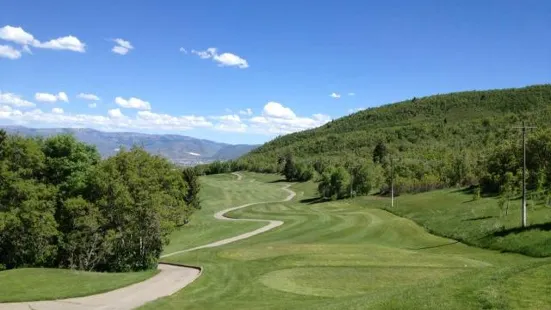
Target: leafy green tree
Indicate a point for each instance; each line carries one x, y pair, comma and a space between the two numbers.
193, 188
380, 152
289, 168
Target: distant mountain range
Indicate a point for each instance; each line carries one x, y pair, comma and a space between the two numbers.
182, 150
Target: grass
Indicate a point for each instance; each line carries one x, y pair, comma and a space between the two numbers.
220, 192
29, 284
452, 213
349, 255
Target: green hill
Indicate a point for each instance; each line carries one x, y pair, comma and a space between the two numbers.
425, 135
446, 123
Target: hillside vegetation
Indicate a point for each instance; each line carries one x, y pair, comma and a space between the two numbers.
465, 138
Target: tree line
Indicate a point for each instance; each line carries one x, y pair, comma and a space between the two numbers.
61, 205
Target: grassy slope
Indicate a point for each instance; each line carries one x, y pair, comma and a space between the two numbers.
27, 284
352, 255
454, 214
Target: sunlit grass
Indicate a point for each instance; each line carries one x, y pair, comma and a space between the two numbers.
349, 255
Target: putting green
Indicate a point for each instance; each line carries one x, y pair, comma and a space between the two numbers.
327, 281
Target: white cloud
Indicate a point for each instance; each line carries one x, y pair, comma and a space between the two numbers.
335, 95
122, 47
276, 110
168, 122
183, 50
51, 98
230, 122
115, 113
9, 52
92, 105
351, 94
231, 60
19, 36
247, 112
70, 43
224, 59
133, 103
63, 97
124, 43
88, 96
14, 100
276, 119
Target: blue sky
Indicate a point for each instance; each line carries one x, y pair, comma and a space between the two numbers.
281, 59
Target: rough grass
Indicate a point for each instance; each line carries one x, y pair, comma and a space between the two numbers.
29, 284
454, 214
349, 255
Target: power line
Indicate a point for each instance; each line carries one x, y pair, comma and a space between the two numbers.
523, 206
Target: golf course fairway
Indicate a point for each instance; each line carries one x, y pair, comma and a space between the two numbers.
339, 255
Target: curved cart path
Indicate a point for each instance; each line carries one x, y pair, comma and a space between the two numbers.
168, 281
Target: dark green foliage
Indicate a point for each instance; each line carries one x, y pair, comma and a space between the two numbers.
335, 183
191, 177
61, 205
380, 152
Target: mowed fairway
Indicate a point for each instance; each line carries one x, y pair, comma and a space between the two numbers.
340, 255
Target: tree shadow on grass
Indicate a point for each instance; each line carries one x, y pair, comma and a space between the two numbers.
313, 200
516, 230
478, 218
434, 246
278, 181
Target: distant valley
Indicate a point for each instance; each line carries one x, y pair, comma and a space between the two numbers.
182, 150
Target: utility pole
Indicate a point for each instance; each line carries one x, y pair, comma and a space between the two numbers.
391, 182
523, 206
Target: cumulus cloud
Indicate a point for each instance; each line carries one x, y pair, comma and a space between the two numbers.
14, 100
230, 122
9, 52
224, 59
278, 119
183, 50
88, 96
247, 112
51, 98
115, 113
19, 36
63, 97
133, 103
277, 110
335, 95
70, 43
275, 118
122, 47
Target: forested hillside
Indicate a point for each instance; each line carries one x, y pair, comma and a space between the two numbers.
434, 142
